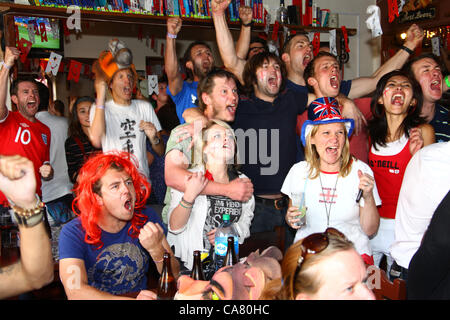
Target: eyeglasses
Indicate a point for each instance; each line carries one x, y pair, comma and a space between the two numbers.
315, 243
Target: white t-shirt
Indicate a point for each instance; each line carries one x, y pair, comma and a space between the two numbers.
122, 129
344, 210
425, 184
60, 184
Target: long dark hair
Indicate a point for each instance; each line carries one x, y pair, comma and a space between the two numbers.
378, 126
74, 122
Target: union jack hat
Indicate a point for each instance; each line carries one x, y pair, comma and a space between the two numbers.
323, 111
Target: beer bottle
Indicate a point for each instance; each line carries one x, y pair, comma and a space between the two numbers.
230, 258
167, 286
197, 271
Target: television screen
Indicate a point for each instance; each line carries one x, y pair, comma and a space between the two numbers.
31, 28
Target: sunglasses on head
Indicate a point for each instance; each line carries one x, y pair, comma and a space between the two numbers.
315, 243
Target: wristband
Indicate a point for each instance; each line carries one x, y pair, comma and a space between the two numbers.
407, 50
171, 35
190, 203
447, 81
5, 65
186, 207
101, 107
247, 24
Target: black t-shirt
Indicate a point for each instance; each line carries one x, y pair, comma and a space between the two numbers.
266, 137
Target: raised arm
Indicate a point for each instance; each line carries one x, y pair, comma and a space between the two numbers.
98, 126
365, 85
11, 55
243, 43
175, 81
224, 39
35, 268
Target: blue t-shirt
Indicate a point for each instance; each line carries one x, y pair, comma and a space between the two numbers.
185, 99
440, 123
266, 137
119, 266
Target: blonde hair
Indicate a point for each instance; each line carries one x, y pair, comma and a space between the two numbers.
198, 156
307, 280
313, 159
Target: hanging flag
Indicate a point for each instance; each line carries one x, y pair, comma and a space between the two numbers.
276, 26
345, 35
43, 31
332, 42
30, 29
152, 84
74, 70
392, 9
53, 63
316, 43
24, 48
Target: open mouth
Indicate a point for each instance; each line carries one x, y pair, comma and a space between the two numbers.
435, 85
331, 150
231, 108
272, 81
398, 99
306, 60
334, 82
128, 205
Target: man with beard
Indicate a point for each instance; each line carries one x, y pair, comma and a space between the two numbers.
22, 134
122, 123
264, 125
427, 70
218, 99
198, 61
106, 252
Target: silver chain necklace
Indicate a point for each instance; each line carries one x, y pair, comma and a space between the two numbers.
328, 209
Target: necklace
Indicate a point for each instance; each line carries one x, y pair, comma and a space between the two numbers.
328, 196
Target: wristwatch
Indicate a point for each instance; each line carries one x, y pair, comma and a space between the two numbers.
29, 217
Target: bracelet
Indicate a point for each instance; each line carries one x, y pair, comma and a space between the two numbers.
102, 107
186, 207
171, 35
5, 65
447, 81
407, 49
187, 202
247, 24
29, 217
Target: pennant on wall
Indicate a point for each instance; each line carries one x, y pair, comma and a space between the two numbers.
43, 31
393, 10
24, 48
345, 35
153, 84
316, 43
53, 63
74, 70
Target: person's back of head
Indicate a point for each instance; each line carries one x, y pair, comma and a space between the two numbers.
59, 108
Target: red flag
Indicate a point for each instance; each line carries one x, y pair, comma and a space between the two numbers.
162, 49
344, 33
74, 70
316, 43
24, 48
43, 31
393, 10
276, 26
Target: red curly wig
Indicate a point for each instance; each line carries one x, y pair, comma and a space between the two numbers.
88, 184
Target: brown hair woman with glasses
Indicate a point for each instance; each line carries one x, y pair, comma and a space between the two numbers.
322, 266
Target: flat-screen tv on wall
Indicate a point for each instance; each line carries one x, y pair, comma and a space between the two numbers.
31, 28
